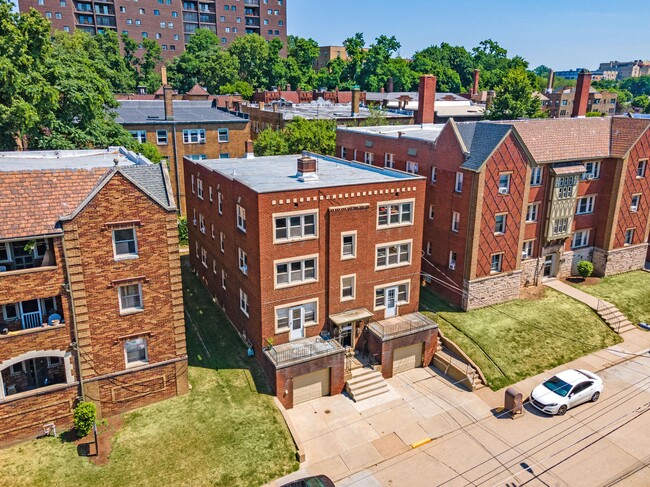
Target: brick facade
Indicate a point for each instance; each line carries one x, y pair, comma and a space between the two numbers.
386, 348
85, 281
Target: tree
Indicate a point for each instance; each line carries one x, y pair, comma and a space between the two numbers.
312, 135
271, 142
148, 150
240, 87
376, 117
252, 53
453, 66
119, 74
354, 49
514, 98
303, 51
637, 86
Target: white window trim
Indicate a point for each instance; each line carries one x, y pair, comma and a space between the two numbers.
638, 204
391, 284
399, 264
166, 142
289, 261
593, 204
536, 184
224, 276
505, 223
582, 231
452, 261
116, 256
369, 158
455, 220
507, 186
389, 160
242, 256
289, 214
536, 206
222, 242
400, 224
295, 304
354, 245
354, 288
643, 162
220, 203
241, 211
434, 174
625, 243
243, 298
227, 136
199, 188
532, 249
200, 136
432, 212
500, 262
459, 179
412, 167
127, 311
136, 363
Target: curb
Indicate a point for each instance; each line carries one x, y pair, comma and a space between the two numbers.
300, 453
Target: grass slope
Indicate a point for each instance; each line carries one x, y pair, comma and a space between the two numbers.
226, 431
629, 292
521, 338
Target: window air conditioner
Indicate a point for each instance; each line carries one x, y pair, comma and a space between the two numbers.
202, 141
590, 177
503, 190
452, 266
634, 208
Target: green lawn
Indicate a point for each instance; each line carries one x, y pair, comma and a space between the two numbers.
226, 431
629, 292
521, 338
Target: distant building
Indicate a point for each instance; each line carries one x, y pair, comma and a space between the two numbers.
327, 53
170, 24
197, 129
627, 69
597, 75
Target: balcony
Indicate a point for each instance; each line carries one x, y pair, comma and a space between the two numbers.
30, 315
23, 255
254, 3
401, 325
38, 370
302, 351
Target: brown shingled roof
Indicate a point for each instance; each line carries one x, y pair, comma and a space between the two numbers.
31, 202
625, 132
197, 89
565, 139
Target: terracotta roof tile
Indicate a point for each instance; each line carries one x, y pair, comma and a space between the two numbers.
625, 132
197, 89
31, 202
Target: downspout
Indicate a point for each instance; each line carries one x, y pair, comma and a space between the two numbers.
178, 179
74, 318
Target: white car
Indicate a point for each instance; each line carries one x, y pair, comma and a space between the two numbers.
566, 390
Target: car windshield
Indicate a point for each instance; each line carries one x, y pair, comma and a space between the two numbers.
314, 482
558, 386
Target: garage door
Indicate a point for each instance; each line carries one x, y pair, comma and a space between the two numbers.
407, 358
311, 386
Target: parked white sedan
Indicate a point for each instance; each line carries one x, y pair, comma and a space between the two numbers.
566, 390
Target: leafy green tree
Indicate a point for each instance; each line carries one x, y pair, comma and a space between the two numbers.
303, 51
151, 57
252, 53
641, 101
513, 97
119, 74
354, 48
453, 66
375, 70
148, 150
376, 117
637, 86
542, 71
241, 87
494, 63
271, 142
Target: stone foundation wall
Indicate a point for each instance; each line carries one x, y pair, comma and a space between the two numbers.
492, 290
620, 260
531, 270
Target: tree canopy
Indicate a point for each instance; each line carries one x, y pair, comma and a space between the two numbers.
312, 135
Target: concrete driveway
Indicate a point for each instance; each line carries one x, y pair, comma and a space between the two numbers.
340, 437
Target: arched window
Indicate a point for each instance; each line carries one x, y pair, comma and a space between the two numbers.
34, 370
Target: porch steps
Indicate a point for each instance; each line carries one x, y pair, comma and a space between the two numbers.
615, 319
365, 383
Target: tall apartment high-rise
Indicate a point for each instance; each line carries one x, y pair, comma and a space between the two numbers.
170, 22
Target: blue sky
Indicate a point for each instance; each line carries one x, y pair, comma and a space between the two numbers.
561, 34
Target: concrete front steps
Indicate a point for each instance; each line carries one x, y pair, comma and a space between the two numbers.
457, 369
365, 383
614, 318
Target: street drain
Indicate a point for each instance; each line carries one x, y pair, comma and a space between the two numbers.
327, 411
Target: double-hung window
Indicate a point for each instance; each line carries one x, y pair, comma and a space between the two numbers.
161, 137
592, 170
193, 136
243, 261
641, 168
536, 176
532, 212
347, 287
395, 214
393, 255
241, 218
500, 223
389, 160
636, 202
223, 134
220, 203
130, 297
580, 239
402, 295
135, 351
202, 223
434, 175
295, 227
504, 183
349, 245
412, 167
455, 221
527, 249
585, 205
296, 272
243, 302
458, 188
629, 236
368, 157
125, 243
497, 263
199, 188
139, 135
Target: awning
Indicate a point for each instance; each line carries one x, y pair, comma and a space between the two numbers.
563, 169
350, 316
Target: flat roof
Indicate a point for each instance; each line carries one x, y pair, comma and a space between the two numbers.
68, 159
270, 174
185, 111
328, 111
428, 131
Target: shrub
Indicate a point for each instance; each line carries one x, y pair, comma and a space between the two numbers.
84, 418
585, 268
182, 231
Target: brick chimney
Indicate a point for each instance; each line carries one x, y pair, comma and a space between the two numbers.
391, 85
477, 73
307, 168
356, 98
582, 94
167, 95
250, 149
426, 99
551, 81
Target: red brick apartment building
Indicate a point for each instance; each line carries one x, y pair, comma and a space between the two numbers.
511, 203
90, 291
193, 128
170, 22
311, 257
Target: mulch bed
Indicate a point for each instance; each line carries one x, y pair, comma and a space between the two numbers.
105, 433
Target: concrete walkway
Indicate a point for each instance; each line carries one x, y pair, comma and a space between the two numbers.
574, 293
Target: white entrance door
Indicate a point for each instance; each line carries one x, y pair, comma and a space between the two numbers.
297, 319
391, 302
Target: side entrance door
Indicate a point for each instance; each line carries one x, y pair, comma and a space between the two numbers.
391, 302
297, 318
549, 262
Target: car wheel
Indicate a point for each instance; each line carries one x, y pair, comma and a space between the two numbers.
595, 397
562, 410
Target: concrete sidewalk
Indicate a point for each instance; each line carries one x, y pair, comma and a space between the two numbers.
574, 293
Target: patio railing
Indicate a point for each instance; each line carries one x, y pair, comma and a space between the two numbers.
32, 320
403, 326
309, 349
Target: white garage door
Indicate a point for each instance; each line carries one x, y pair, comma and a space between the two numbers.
311, 386
407, 358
